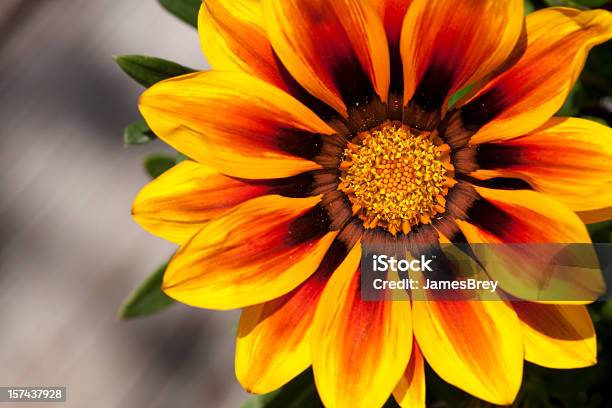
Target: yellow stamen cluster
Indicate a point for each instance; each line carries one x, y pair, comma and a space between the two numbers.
394, 178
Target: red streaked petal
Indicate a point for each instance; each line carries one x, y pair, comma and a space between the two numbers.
410, 390
259, 251
533, 219
333, 48
525, 216
569, 159
447, 45
177, 204
359, 349
557, 336
464, 342
240, 125
392, 13
590, 217
234, 38
525, 96
273, 343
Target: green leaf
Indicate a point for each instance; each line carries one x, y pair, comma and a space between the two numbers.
137, 133
593, 3
529, 7
606, 312
186, 10
571, 107
577, 3
150, 70
297, 393
180, 157
158, 163
458, 95
601, 232
596, 79
148, 298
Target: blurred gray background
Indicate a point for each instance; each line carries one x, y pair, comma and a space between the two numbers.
69, 250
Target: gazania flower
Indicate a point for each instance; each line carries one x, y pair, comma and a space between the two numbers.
324, 127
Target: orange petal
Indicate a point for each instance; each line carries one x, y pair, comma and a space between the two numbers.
259, 251
466, 342
569, 159
336, 49
410, 390
240, 125
392, 13
359, 349
233, 37
528, 217
525, 96
178, 203
448, 44
590, 217
557, 336
525, 216
273, 343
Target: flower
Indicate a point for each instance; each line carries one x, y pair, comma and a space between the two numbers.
323, 127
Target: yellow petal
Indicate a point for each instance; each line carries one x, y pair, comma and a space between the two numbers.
529, 217
238, 124
274, 338
526, 271
590, 217
273, 342
359, 349
557, 336
259, 251
526, 95
336, 49
410, 390
469, 343
233, 37
449, 44
392, 13
178, 203
569, 159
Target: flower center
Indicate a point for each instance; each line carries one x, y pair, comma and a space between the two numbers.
396, 178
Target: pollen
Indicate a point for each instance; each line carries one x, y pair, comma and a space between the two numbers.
396, 178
